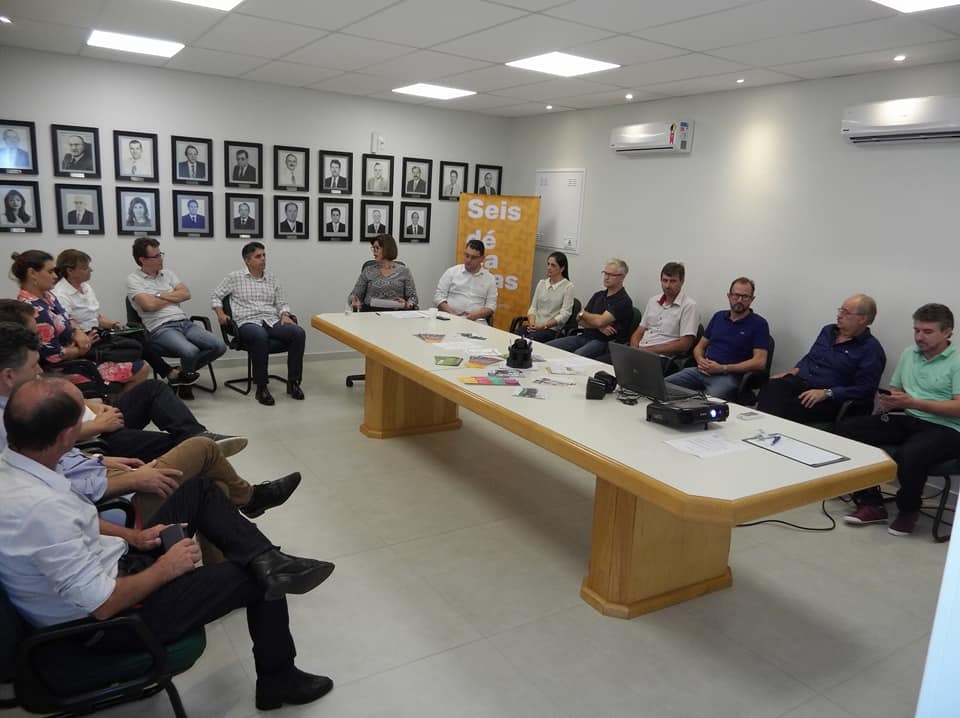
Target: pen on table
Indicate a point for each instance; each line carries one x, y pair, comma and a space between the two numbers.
776, 438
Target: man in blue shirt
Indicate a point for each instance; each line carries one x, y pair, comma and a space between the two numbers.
845, 362
735, 342
920, 417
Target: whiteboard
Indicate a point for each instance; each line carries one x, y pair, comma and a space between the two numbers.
561, 204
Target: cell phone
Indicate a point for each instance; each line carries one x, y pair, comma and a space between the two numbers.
171, 535
443, 319
884, 391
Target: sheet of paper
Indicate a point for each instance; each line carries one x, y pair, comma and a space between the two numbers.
797, 450
409, 314
378, 303
706, 444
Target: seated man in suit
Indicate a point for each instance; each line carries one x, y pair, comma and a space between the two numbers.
607, 314
335, 226
468, 289
243, 222
414, 229
64, 564
670, 322
11, 156
376, 226
261, 313
735, 342
290, 224
193, 220
79, 214
243, 171
845, 362
335, 181
416, 184
79, 158
192, 168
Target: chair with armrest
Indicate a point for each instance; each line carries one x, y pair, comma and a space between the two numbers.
623, 337
230, 333
133, 320
569, 326
351, 378
752, 381
945, 471
683, 359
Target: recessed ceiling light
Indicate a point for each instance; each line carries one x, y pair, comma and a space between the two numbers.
132, 43
628, 96
899, 58
224, 5
560, 63
549, 107
916, 5
434, 92
741, 80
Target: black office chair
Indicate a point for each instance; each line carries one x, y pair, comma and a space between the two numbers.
231, 337
351, 378
133, 320
569, 326
684, 359
945, 470
753, 381
623, 337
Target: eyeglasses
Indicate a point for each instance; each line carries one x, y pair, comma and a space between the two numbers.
741, 297
610, 274
374, 247
158, 255
843, 312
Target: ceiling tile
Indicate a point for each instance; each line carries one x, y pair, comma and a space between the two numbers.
326, 15
82, 13
625, 16
164, 20
424, 65
44, 36
494, 78
560, 87
134, 58
846, 40
355, 83
530, 35
475, 102
391, 96
524, 110
874, 61
531, 5
626, 50
213, 62
603, 99
345, 52
763, 20
290, 73
449, 19
721, 83
669, 70
255, 36
947, 18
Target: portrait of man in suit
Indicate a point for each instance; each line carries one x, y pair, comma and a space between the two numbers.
243, 222
290, 174
193, 219
290, 224
488, 186
452, 187
79, 155
414, 229
416, 184
12, 156
243, 171
376, 225
133, 161
334, 178
378, 183
335, 226
192, 167
79, 215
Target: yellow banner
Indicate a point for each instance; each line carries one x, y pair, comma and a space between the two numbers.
507, 226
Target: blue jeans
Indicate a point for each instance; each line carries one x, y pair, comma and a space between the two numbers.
195, 346
581, 345
722, 386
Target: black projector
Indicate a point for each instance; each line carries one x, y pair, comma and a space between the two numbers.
686, 412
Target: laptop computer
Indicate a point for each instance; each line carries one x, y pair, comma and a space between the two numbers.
642, 372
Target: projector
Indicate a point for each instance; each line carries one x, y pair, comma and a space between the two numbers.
686, 412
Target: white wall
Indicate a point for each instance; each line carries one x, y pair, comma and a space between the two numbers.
771, 190
57, 89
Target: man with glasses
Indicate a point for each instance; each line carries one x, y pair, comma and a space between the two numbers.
735, 342
608, 313
157, 293
670, 321
845, 362
468, 290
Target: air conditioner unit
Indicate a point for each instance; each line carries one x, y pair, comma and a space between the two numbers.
910, 119
652, 137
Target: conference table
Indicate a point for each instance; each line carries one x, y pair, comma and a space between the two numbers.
662, 517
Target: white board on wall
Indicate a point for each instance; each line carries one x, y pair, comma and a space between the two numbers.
561, 204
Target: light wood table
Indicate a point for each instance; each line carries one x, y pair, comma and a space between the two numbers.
662, 518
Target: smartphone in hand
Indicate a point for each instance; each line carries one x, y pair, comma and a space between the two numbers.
885, 392
171, 536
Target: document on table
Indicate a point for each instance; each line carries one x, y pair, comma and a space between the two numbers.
706, 444
409, 314
795, 449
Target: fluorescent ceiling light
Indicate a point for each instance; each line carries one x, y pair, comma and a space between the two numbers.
741, 80
560, 63
899, 58
628, 96
224, 5
434, 92
916, 5
132, 43
5, 20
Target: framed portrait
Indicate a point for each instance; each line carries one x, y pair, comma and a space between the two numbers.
291, 168
292, 217
336, 172
18, 150
376, 217
452, 180
244, 219
135, 156
79, 209
191, 160
417, 174
138, 210
76, 151
378, 174
242, 164
336, 219
414, 222
192, 213
21, 207
487, 179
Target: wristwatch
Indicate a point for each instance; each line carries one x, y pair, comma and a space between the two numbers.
828, 393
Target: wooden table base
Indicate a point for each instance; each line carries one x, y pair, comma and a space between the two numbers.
396, 406
643, 558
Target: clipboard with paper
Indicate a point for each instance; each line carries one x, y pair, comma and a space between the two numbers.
797, 450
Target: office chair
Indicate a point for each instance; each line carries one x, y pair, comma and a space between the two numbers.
351, 378
945, 470
752, 381
569, 326
623, 337
230, 333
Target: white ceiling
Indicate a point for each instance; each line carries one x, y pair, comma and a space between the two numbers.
367, 47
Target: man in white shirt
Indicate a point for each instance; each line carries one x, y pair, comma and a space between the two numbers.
261, 313
135, 164
468, 289
670, 321
290, 175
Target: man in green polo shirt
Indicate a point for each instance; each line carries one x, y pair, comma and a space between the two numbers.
920, 417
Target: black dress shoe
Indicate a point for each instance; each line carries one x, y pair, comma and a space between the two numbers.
270, 493
294, 687
294, 390
280, 574
185, 393
264, 396
185, 378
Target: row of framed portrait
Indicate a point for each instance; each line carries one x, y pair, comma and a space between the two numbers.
76, 154
80, 212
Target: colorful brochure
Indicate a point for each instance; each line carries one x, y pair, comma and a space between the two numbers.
490, 380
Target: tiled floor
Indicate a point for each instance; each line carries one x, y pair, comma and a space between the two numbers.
459, 559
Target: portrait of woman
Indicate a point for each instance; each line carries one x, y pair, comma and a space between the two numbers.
138, 214
15, 210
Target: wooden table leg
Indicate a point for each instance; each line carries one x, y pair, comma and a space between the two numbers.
643, 558
396, 406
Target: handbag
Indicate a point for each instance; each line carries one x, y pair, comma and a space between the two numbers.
116, 347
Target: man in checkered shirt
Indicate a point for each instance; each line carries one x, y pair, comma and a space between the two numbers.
261, 313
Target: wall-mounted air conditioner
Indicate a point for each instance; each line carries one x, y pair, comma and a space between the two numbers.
910, 119
674, 136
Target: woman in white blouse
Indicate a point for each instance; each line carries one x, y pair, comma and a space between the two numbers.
552, 301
